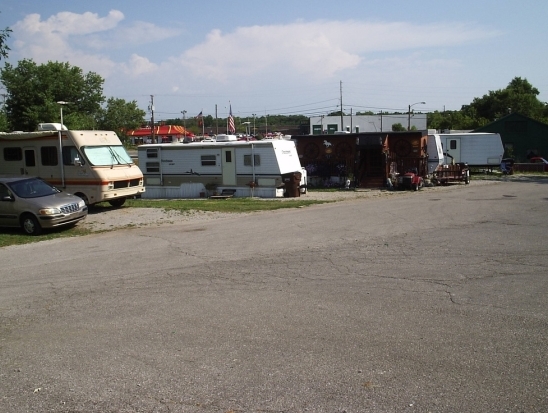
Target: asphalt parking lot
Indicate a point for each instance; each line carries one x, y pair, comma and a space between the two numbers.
429, 301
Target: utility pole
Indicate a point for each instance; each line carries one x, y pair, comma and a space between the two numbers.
342, 119
216, 120
151, 107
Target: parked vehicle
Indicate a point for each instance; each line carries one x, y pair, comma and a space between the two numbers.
475, 149
90, 164
451, 172
410, 180
33, 204
253, 168
434, 150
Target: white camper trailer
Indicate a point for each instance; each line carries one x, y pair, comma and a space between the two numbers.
435, 153
91, 164
475, 149
247, 168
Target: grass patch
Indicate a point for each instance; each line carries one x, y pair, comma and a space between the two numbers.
234, 205
16, 236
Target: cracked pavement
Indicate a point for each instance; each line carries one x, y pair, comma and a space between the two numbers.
423, 302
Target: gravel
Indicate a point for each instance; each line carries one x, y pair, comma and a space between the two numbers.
105, 220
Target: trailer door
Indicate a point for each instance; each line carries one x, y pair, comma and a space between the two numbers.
30, 168
228, 166
452, 147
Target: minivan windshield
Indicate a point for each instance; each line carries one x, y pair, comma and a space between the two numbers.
107, 155
32, 188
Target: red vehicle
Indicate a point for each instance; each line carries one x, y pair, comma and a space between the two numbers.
410, 180
538, 159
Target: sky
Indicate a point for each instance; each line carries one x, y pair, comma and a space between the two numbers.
287, 57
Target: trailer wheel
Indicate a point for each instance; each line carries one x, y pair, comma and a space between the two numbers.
85, 198
117, 203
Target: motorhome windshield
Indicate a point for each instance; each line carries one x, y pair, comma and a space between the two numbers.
107, 155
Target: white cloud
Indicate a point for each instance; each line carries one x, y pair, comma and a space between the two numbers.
66, 23
319, 49
246, 58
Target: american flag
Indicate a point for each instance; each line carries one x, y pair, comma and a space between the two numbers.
200, 118
231, 127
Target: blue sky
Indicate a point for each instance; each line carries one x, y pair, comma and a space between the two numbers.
288, 57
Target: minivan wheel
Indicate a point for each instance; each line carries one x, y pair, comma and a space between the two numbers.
30, 225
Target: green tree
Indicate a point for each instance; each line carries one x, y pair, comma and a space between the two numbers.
4, 49
34, 90
121, 116
519, 96
4, 127
398, 127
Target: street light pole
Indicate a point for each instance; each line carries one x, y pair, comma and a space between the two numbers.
254, 133
409, 113
184, 121
61, 103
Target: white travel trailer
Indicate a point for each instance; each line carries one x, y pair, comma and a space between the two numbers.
91, 164
193, 170
475, 149
435, 153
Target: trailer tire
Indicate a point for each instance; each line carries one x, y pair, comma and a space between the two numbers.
85, 198
467, 179
415, 187
117, 203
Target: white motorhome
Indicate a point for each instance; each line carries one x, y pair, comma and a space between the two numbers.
475, 149
91, 164
248, 168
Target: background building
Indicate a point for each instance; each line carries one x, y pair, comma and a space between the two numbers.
521, 136
365, 123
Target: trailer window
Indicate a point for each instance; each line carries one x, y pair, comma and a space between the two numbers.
49, 155
256, 159
208, 160
152, 153
13, 154
69, 154
453, 144
153, 166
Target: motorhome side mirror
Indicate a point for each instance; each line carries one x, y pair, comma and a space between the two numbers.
77, 162
7, 198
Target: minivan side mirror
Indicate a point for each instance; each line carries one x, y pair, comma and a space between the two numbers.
77, 162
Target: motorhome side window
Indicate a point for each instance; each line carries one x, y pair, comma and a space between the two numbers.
153, 166
152, 153
453, 144
208, 160
256, 159
49, 155
69, 154
13, 154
